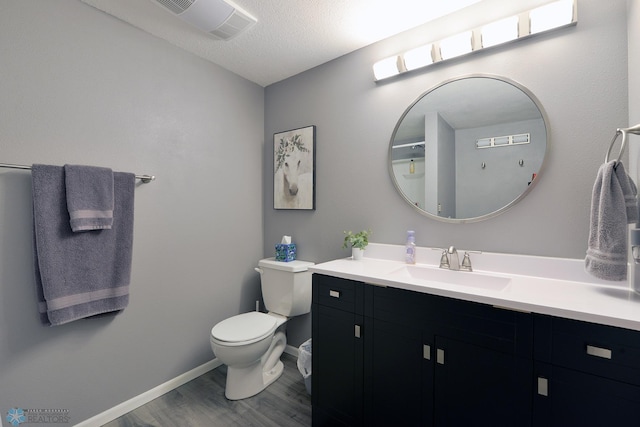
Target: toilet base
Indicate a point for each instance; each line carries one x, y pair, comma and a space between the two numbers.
247, 381
241, 381
272, 375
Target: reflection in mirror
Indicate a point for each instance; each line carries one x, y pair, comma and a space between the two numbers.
469, 148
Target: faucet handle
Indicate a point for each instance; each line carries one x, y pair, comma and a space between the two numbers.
466, 260
444, 259
466, 263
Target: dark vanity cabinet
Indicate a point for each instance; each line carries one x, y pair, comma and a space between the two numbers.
391, 357
337, 351
587, 374
405, 358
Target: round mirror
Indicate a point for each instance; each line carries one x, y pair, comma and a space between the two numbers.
469, 148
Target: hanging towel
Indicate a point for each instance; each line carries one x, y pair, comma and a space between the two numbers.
613, 206
79, 275
89, 197
630, 192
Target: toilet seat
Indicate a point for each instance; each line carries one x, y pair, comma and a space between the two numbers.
244, 328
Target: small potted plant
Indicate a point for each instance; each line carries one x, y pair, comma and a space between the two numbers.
357, 241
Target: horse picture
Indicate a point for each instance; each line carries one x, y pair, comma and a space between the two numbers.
293, 177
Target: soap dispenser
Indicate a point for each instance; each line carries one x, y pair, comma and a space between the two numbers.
410, 248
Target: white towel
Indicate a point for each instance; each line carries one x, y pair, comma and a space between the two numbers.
613, 206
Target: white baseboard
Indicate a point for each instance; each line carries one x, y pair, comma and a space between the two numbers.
146, 397
289, 349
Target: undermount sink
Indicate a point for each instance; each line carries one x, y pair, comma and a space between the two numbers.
461, 278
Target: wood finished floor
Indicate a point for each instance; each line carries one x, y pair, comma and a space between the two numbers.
201, 403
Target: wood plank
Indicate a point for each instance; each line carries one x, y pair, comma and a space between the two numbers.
201, 402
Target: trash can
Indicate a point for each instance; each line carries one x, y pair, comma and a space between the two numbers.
304, 363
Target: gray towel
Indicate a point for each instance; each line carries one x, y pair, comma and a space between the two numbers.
80, 275
613, 206
89, 197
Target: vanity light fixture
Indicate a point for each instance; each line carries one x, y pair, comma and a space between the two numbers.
386, 68
457, 45
499, 32
551, 16
418, 57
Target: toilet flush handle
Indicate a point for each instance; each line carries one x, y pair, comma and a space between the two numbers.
258, 270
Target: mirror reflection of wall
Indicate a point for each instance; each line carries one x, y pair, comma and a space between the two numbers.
464, 179
502, 180
411, 179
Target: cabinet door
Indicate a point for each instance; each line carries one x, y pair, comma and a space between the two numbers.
397, 382
476, 386
337, 367
570, 398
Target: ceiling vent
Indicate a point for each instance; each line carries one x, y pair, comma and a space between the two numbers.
221, 19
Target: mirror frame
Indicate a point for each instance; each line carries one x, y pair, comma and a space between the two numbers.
503, 208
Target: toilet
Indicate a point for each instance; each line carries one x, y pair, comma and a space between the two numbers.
250, 344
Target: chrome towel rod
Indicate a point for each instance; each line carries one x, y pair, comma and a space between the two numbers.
144, 178
634, 130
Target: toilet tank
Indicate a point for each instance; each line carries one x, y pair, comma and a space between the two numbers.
286, 286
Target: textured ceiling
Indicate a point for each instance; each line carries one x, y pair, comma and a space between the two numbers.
291, 36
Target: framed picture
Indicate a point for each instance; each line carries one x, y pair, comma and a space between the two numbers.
294, 169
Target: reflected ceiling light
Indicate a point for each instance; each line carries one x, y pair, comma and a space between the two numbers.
554, 15
418, 57
456, 45
386, 68
500, 31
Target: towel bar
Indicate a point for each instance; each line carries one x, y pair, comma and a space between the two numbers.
634, 130
144, 178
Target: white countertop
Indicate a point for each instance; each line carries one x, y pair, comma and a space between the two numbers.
552, 286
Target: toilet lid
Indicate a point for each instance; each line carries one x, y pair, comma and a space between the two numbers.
244, 327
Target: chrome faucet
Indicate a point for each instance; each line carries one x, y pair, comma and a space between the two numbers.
454, 262
451, 261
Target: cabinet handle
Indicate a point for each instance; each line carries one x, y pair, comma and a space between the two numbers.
426, 352
357, 331
543, 386
605, 353
440, 356
335, 294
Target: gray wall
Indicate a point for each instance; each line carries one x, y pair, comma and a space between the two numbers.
447, 169
78, 86
634, 83
579, 74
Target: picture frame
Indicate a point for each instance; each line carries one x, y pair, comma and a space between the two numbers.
294, 169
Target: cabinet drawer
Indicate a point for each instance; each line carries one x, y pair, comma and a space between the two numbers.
483, 325
338, 293
597, 349
486, 326
402, 306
